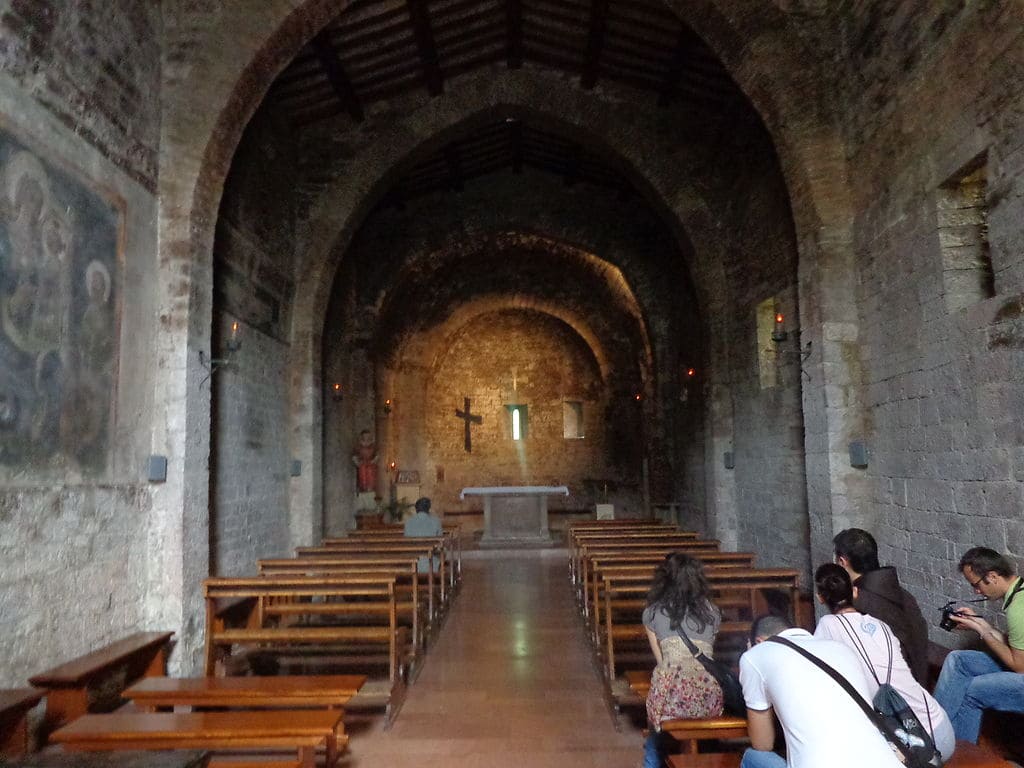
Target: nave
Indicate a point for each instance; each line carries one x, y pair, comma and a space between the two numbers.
508, 682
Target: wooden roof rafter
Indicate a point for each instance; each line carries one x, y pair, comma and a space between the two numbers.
336, 76
420, 15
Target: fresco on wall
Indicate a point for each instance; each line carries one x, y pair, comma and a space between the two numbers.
59, 294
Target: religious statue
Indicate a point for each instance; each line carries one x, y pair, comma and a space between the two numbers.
365, 459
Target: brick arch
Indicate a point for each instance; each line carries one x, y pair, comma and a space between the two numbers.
419, 264
422, 347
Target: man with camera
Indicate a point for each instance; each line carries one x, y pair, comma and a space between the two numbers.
973, 681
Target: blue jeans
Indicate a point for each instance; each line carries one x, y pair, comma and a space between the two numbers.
755, 758
656, 747
972, 681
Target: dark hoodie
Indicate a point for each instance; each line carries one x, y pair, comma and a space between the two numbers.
879, 594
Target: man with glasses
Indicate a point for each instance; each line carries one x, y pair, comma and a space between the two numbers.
973, 681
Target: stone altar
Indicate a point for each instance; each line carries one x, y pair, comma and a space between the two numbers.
516, 514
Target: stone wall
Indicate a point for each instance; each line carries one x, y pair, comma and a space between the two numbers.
250, 466
79, 94
943, 389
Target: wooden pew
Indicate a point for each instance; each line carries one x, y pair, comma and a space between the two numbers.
590, 549
451, 543
601, 551
143, 654
14, 707
428, 548
407, 580
690, 732
646, 564
578, 541
366, 604
285, 691
299, 730
397, 530
732, 587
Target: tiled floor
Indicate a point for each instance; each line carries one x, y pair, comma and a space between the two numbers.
508, 683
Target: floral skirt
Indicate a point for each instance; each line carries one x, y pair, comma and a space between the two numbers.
681, 691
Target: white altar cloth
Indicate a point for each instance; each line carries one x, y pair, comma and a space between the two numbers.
517, 513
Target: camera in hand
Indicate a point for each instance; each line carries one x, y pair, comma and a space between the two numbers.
948, 612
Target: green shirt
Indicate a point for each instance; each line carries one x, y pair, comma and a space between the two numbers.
1013, 607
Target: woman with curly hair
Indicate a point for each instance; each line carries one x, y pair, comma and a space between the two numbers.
678, 604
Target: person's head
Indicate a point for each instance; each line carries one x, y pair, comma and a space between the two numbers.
366, 437
767, 626
680, 588
856, 551
422, 504
988, 572
834, 587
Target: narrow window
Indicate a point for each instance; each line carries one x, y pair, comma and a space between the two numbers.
962, 213
572, 420
518, 418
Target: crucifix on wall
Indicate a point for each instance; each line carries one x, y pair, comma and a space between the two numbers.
468, 418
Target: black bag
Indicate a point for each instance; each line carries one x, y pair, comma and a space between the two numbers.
911, 758
893, 708
732, 691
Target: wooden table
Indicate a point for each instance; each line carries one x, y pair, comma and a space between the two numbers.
329, 691
301, 730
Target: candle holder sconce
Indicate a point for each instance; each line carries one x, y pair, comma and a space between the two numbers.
231, 345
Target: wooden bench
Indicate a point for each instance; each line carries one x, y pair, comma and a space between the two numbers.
450, 542
143, 654
14, 707
589, 550
452, 531
364, 606
285, 691
234, 762
969, 755
407, 581
429, 548
690, 732
644, 566
299, 730
707, 760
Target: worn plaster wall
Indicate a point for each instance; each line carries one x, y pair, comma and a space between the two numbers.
79, 90
938, 95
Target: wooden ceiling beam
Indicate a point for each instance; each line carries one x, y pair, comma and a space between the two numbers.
595, 42
420, 15
680, 57
339, 81
514, 30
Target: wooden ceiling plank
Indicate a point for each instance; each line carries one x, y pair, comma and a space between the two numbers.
344, 31
420, 15
514, 31
336, 76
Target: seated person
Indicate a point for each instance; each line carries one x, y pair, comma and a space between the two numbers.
423, 524
973, 681
879, 594
873, 641
823, 725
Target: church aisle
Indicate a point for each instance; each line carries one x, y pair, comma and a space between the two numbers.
508, 682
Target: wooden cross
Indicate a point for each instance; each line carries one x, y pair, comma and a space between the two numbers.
468, 418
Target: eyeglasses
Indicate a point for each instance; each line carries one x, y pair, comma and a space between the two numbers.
974, 584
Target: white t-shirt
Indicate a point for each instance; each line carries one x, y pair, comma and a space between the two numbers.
824, 726
871, 634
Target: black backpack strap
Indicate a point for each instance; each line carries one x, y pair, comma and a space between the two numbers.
873, 716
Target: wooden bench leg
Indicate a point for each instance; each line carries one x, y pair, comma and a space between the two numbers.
13, 737
158, 666
307, 757
64, 705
